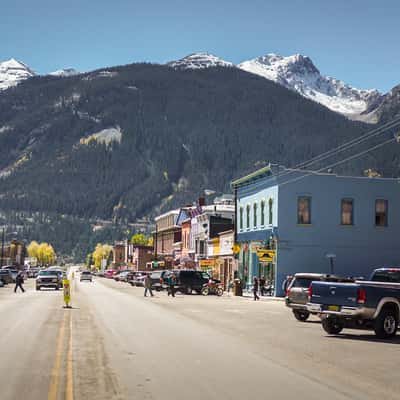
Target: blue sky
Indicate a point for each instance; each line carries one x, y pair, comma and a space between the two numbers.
353, 40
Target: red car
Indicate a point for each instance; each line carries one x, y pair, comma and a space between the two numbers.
109, 273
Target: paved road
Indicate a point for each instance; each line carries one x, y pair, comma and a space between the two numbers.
116, 344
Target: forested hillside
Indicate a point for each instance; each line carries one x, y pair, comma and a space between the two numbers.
130, 141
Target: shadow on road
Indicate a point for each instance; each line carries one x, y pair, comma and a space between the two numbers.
365, 338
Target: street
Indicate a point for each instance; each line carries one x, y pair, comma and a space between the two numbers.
116, 344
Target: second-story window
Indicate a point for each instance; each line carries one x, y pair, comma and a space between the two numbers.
255, 215
381, 212
347, 214
270, 204
262, 213
248, 217
241, 218
304, 210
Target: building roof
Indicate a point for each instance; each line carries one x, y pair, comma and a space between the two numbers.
171, 212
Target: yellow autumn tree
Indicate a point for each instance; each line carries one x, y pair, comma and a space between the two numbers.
102, 251
33, 249
45, 254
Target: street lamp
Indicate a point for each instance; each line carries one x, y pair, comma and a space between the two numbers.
331, 257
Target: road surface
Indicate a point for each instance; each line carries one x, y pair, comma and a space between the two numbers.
116, 344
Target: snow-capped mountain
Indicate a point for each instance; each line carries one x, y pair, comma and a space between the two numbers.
200, 61
65, 72
298, 73
13, 72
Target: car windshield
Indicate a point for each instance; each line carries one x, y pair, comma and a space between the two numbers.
85, 273
205, 275
302, 282
387, 276
44, 273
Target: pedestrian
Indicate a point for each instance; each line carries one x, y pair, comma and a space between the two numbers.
171, 285
262, 286
255, 288
19, 280
147, 285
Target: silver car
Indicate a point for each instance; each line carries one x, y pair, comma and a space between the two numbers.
49, 279
86, 276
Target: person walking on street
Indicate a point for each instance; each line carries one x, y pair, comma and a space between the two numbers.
19, 280
171, 285
262, 286
147, 285
255, 288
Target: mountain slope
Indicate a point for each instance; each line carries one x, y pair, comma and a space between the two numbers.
298, 73
128, 142
13, 72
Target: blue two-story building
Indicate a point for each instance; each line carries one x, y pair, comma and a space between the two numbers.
316, 223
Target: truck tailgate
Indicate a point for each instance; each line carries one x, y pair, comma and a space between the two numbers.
332, 293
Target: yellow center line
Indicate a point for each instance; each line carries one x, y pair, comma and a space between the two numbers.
69, 393
55, 373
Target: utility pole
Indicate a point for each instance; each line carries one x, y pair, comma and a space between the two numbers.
2, 248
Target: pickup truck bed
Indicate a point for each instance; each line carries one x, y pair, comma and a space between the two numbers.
362, 304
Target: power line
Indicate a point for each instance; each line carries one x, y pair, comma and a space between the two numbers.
341, 161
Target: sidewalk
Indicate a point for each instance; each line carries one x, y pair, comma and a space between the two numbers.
249, 295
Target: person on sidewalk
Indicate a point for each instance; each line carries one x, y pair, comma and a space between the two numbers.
19, 280
255, 288
147, 285
171, 285
262, 286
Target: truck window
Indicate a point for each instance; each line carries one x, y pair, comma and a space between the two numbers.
386, 276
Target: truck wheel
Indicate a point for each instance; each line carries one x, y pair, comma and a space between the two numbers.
333, 326
220, 292
301, 315
385, 324
38, 288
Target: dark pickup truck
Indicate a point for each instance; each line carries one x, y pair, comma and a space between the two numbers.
372, 304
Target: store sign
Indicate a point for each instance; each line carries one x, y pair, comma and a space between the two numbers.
206, 263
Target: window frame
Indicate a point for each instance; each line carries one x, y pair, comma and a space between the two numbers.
270, 211
255, 206
309, 198
386, 222
248, 216
241, 218
262, 204
342, 201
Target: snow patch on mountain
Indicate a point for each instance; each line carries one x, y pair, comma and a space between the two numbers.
13, 72
105, 136
65, 72
199, 61
298, 73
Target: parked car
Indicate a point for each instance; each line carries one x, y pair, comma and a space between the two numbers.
158, 279
373, 304
297, 292
12, 271
122, 276
49, 278
138, 279
109, 273
188, 281
85, 276
6, 276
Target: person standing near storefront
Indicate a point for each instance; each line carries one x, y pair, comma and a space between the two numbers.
171, 285
255, 288
262, 286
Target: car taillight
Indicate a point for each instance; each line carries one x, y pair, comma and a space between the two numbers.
161, 280
361, 296
309, 291
287, 292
